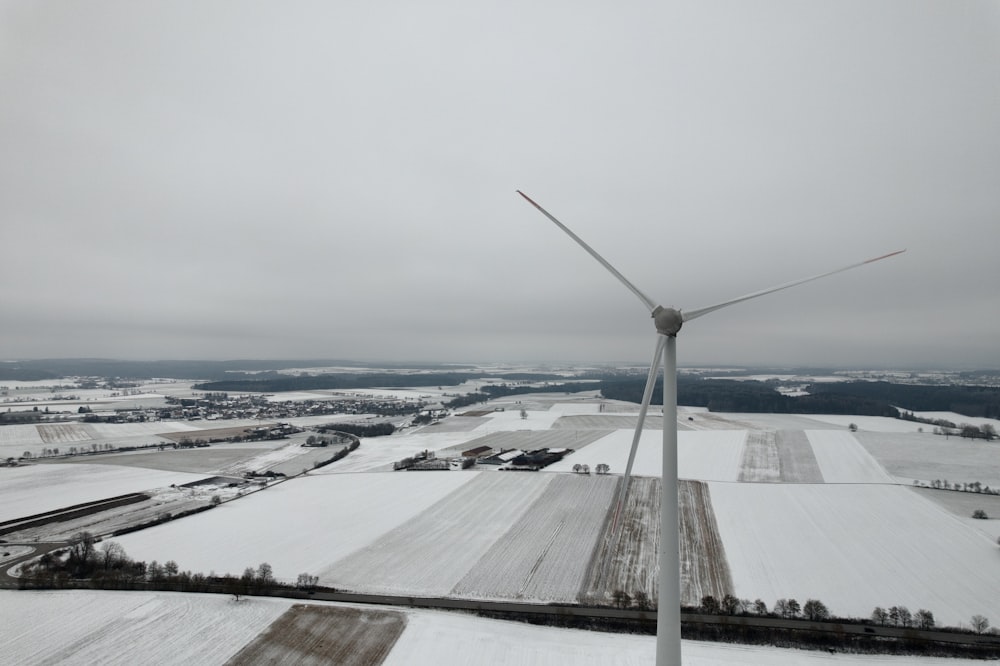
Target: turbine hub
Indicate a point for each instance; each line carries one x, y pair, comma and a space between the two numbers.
668, 321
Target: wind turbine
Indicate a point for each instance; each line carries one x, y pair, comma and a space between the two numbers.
668, 322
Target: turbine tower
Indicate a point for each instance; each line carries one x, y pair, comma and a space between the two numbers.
668, 322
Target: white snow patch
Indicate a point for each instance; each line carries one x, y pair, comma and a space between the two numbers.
842, 459
299, 526
89, 627
31, 489
873, 423
854, 547
702, 454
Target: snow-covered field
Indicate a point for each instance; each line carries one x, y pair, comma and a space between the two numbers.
805, 509
872, 423
928, 457
378, 453
431, 553
957, 419
843, 460
173, 629
855, 547
300, 526
31, 489
129, 627
544, 556
706, 455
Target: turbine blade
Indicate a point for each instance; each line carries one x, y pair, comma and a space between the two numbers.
647, 301
647, 396
694, 314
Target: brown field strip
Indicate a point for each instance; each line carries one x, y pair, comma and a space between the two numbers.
760, 462
211, 433
629, 563
704, 569
796, 458
61, 433
318, 635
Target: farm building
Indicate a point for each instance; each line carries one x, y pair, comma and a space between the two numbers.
478, 452
501, 458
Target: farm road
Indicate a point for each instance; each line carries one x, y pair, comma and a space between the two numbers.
35, 549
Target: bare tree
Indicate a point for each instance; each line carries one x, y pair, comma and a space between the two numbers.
815, 610
924, 619
306, 581
980, 624
730, 605
879, 616
112, 554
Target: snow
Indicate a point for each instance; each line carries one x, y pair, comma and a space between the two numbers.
958, 419
429, 554
378, 453
855, 547
703, 454
576, 408
31, 489
129, 627
115, 430
510, 419
451, 639
842, 459
872, 423
105, 627
299, 526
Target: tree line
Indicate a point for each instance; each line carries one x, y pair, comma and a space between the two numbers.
727, 395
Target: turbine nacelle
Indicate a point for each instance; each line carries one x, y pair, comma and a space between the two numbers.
668, 321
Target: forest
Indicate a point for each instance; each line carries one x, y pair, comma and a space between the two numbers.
861, 397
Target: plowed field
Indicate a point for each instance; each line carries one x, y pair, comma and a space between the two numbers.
545, 555
760, 461
430, 554
325, 635
629, 562
796, 458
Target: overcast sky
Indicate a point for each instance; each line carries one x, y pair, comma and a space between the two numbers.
192, 179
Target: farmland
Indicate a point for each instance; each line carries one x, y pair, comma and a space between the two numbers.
627, 560
707, 455
430, 554
874, 544
25, 491
297, 526
128, 628
545, 555
927, 457
314, 634
172, 629
772, 506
